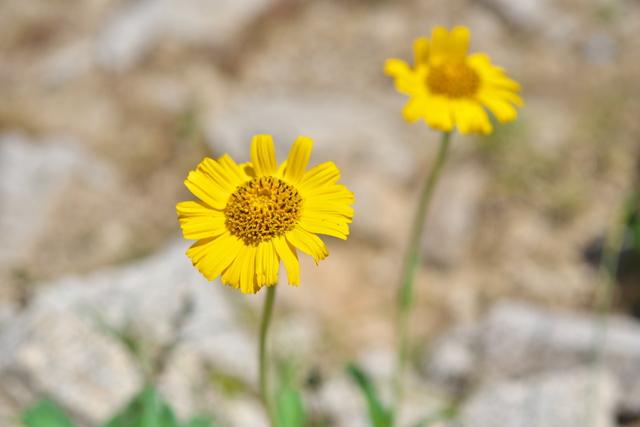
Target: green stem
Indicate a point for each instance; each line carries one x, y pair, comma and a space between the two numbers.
264, 381
406, 284
611, 250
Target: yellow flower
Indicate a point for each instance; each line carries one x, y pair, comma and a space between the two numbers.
449, 88
253, 215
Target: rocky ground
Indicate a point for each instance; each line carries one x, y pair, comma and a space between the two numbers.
105, 106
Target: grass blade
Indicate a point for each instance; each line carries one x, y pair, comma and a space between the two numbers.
379, 415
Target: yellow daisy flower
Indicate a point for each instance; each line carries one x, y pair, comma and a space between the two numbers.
449, 87
253, 215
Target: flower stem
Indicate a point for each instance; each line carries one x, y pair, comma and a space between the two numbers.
406, 284
609, 263
264, 380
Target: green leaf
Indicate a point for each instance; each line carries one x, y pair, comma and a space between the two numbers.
45, 413
378, 414
289, 405
147, 409
200, 422
291, 412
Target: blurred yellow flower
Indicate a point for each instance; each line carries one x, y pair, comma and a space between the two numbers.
449, 87
253, 215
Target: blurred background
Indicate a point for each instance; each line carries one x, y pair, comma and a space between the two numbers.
106, 105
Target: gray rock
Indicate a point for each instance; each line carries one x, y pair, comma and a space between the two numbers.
453, 213
342, 402
33, 177
453, 359
138, 26
147, 295
533, 16
68, 63
599, 49
61, 346
525, 14
340, 126
59, 355
567, 398
518, 340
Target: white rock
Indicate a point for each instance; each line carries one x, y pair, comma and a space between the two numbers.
452, 215
518, 340
63, 338
137, 27
343, 403
567, 398
533, 16
599, 49
146, 295
340, 126
33, 176
61, 356
68, 63
452, 359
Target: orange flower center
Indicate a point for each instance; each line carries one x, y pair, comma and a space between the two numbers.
453, 79
262, 209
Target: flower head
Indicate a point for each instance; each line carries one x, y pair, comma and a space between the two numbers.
254, 215
449, 87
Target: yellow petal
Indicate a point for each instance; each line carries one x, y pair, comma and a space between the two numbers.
459, 43
189, 209
330, 225
225, 176
414, 109
407, 79
501, 109
248, 276
233, 170
338, 210
206, 189
248, 170
298, 160
411, 83
263, 155
471, 117
267, 264
212, 256
438, 113
396, 67
502, 94
492, 77
289, 256
330, 193
198, 220
421, 51
231, 275
439, 46
308, 243
321, 175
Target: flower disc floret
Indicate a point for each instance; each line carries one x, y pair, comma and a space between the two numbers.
454, 80
261, 209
